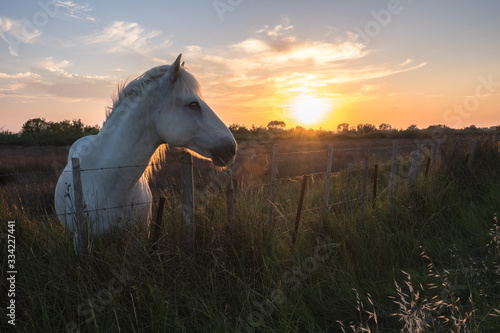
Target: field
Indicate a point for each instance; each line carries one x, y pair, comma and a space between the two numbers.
425, 260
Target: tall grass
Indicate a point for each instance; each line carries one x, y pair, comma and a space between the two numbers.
427, 260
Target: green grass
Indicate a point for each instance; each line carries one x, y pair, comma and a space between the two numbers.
427, 260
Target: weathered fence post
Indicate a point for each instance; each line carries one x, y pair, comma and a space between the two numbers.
82, 240
328, 177
375, 177
415, 165
427, 166
436, 155
230, 202
347, 192
299, 210
156, 230
365, 180
473, 145
187, 201
272, 196
392, 179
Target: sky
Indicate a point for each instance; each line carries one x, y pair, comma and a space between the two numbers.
315, 63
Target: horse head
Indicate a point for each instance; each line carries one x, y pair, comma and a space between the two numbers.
184, 119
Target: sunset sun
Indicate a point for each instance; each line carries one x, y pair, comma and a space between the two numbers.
309, 110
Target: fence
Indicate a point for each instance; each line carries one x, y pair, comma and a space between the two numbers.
225, 180
188, 188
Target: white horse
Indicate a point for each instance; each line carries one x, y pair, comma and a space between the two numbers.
164, 105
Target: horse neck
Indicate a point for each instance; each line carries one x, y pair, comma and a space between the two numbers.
127, 140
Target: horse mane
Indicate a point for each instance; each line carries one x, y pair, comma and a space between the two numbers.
184, 86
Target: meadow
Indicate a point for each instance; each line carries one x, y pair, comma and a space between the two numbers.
426, 259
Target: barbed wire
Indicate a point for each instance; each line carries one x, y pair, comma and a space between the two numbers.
330, 206
132, 205
178, 163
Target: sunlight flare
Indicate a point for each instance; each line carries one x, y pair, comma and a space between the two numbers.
309, 110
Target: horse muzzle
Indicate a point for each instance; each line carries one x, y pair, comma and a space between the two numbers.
223, 155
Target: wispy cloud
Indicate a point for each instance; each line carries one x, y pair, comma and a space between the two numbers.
52, 65
75, 10
15, 32
278, 31
26, 75
125, 37
52, 80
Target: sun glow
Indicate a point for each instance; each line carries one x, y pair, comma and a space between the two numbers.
309, 110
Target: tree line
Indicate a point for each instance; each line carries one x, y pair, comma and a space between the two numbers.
277, 129
39, 131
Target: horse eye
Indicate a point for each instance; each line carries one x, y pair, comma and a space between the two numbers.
195, 105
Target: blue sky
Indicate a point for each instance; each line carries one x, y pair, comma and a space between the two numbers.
399, 62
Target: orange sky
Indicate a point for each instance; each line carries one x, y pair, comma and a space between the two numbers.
400, 63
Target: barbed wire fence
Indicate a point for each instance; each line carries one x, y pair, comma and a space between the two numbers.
223, 182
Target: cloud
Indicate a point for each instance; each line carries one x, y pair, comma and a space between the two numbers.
273, 56
125, 37
16, 32
27, 75
52, 65
24, 31
52, 80
278, 30
75, 10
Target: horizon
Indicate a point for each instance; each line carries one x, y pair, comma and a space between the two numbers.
313, 65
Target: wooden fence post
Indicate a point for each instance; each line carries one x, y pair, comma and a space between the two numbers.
187, 201
473, 145
347, 192
272, 196
365, 180
427, 166
299, 210
375, 177
155, 236
415, 165
392, 179
82, 234
436, 155
231, 202
328, 177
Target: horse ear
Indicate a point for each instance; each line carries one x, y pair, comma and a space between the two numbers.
173, 71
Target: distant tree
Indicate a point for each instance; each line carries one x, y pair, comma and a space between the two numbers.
472, 128
61, 127
254, 130
91, 129
76, 126
412, 128
343, 128
434, 127
238, 129
300, 129
276, 124
384, 127
35, 125
365, 128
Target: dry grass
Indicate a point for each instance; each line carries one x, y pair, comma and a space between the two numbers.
338, 278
